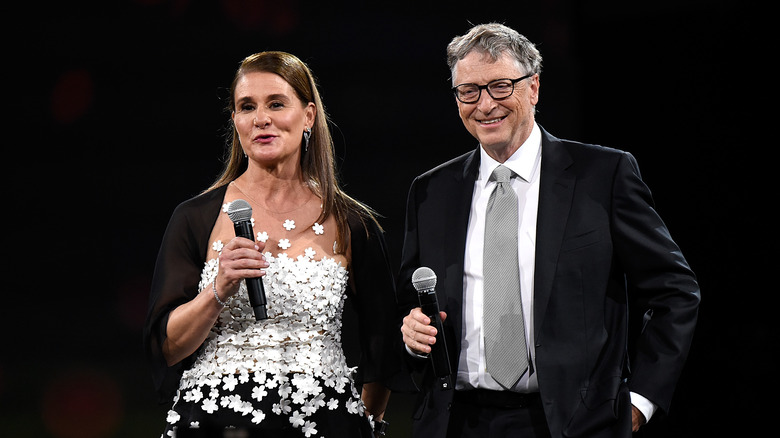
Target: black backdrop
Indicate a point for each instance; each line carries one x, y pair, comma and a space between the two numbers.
114, 115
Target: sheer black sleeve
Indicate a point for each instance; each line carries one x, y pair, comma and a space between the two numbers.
176, 276
373, 303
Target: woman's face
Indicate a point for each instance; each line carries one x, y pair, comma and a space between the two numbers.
269, 118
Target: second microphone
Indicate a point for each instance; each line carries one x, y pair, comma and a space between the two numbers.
424, 281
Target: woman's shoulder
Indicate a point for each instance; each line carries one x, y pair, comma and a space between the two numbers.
199, 212
205, 199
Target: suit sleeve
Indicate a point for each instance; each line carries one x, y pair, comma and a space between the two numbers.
417, 369
659, 280
410, 260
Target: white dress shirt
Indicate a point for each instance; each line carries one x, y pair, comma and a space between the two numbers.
525, 163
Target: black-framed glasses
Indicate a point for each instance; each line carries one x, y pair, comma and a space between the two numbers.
497, 89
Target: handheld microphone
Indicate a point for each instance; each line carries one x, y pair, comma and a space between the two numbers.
240, 212
424, 281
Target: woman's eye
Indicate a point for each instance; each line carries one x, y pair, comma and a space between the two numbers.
247, 107
276, 105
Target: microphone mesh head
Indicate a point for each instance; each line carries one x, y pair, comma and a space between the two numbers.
423, 279
239, 211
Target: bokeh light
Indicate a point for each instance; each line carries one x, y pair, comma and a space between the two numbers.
72, 95
82, 403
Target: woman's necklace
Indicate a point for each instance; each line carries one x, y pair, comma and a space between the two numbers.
289, 224
306, 201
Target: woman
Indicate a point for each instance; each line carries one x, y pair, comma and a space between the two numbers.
315, 248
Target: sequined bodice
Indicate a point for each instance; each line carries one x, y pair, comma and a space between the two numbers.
294, 353
302, 333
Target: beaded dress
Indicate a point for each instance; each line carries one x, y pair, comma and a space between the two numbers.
287, 374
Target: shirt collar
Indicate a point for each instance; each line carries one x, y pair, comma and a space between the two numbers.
523, 162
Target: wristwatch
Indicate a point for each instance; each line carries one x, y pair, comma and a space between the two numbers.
380, 427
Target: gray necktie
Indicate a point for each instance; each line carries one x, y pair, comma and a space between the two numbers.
505, 348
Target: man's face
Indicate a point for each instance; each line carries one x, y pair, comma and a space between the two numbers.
499, 125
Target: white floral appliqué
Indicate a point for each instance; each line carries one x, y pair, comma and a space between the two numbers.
173, 416
295, 353
262, 236
309, 428
289, 224
284, 243
318, 229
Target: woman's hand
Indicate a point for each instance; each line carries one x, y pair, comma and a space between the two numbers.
240, 258
375, 397
190, 323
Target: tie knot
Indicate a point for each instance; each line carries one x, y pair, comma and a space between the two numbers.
501, 174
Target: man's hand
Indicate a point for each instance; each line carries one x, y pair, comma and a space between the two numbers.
637, 419
418, 333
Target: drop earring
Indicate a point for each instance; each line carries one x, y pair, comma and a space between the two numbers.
306, 137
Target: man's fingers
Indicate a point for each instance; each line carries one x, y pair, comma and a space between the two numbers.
417, 332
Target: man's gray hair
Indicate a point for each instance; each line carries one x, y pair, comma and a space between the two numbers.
495, 39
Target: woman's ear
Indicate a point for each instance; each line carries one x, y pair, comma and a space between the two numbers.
311, 114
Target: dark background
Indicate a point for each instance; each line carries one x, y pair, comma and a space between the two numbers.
114, 114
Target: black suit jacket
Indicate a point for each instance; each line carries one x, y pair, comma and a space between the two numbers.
600, 247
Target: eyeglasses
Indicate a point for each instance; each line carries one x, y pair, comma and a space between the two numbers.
498, 89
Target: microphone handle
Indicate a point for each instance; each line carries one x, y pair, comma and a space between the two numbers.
439, 357
254, 285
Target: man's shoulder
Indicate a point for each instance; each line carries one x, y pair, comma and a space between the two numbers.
574, 147
454, 167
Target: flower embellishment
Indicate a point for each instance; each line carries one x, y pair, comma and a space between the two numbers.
309, 428
210, 405
173, 416
318, 229
217, 245
284, 243
289, 224
262, 236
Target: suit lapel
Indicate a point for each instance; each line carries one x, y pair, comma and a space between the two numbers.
456, 225
556, 188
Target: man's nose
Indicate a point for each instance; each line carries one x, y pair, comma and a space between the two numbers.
486, 103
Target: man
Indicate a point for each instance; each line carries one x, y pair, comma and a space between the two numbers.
588, 257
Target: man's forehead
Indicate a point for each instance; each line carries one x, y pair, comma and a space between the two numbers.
482, 65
